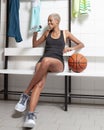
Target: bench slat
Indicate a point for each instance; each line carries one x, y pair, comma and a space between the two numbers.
23, 51
31, 72
24, 72
20, 71
38, 51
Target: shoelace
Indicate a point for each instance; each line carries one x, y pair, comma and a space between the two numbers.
24, 97
31, 116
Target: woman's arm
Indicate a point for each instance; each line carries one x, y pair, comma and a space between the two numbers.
35, 41
78, 43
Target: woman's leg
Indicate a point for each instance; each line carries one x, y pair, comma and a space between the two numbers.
36, 87
22, 103
47, 64
31, 116
36, 94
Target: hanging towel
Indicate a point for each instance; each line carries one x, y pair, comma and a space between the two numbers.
35, 16
84, 6
0, 14
14, 27
75, 8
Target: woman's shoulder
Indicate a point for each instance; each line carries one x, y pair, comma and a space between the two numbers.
46, 33
67, 32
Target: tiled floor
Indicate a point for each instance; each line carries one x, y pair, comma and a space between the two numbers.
52, 117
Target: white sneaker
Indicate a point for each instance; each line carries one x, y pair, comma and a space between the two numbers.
30, 120
22, 104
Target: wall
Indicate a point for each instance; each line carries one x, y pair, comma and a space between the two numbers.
2, 39
89, 29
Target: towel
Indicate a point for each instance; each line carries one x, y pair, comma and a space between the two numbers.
75, 8
80, 7
84, 6
35, 25
0, 14
14, 24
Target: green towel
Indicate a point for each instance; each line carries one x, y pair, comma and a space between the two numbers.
84, 6
80, 7
75, 8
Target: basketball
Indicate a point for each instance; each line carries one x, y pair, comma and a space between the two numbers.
77, 62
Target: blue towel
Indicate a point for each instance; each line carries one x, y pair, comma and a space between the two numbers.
35, 16
14, 27
0, 14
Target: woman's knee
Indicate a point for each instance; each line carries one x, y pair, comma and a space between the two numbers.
45, 62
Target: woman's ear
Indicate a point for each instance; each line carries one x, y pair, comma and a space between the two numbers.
57, 21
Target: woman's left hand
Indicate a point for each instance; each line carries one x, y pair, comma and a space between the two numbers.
67, 49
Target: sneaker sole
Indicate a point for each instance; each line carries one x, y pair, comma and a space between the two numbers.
19, 110
29, 125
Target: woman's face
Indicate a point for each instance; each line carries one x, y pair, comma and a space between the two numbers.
52, 22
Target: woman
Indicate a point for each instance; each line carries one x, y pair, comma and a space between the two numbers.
51, 61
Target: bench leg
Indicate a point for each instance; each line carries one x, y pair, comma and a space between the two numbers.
69, 81
5, 86
66, 93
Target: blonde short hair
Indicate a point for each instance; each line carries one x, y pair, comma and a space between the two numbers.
56, 16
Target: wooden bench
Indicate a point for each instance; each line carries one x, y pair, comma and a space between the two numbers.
38, 52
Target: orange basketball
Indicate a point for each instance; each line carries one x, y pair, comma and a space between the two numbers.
77, 62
